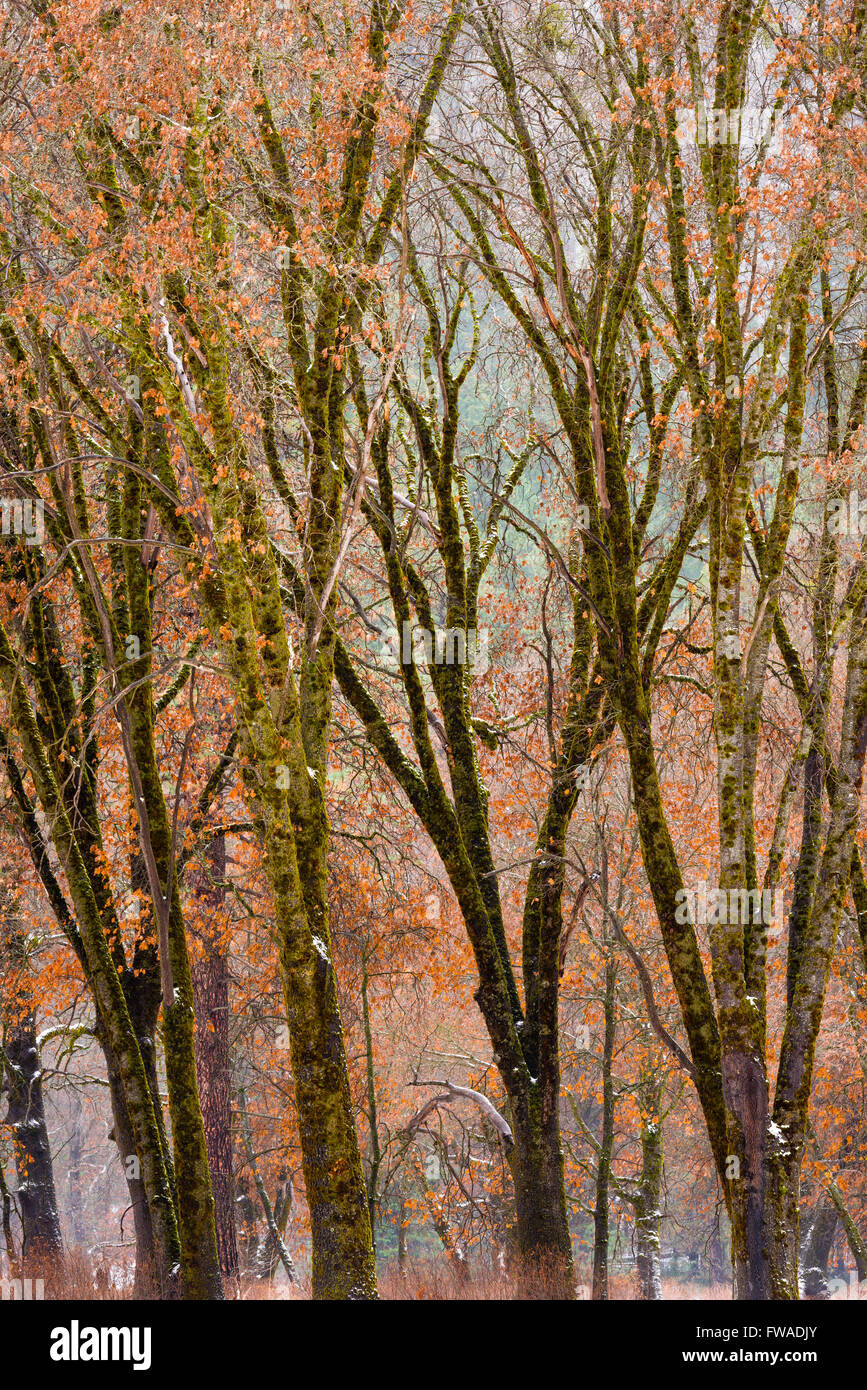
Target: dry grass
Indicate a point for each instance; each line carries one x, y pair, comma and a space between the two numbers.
82, 1278
85, 1280
438, 1282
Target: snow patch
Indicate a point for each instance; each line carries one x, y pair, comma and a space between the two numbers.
778, 1136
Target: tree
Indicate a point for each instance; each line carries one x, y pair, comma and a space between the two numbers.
180, 326
581, 349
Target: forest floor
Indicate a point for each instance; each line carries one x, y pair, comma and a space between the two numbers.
428, 1280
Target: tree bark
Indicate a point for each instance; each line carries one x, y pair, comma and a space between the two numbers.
816, 1250
213, 1060
148, 1280
648, 1208
787, 1134
606, 1142
37, 1200
102, 971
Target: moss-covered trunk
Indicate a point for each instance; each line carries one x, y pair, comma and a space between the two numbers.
36, 1195
606, 1141
648, 1206
789, 1127
816, 1249
343, 1263
213, 1058
200, 1265
147, 1272
542, 1236
105, 980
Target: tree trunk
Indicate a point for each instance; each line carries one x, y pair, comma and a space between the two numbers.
606, 1143
37, 1199
342, 1244
375, 1157
543, 1242
6, 1222
214, 1065
787, 1134
817, 1249
147, 1267
857, 1243
718, 1269
76, 1200
757, 1188
402, 1231
272, 1250
648, 1209
102, 971
211, 980
200, 1265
